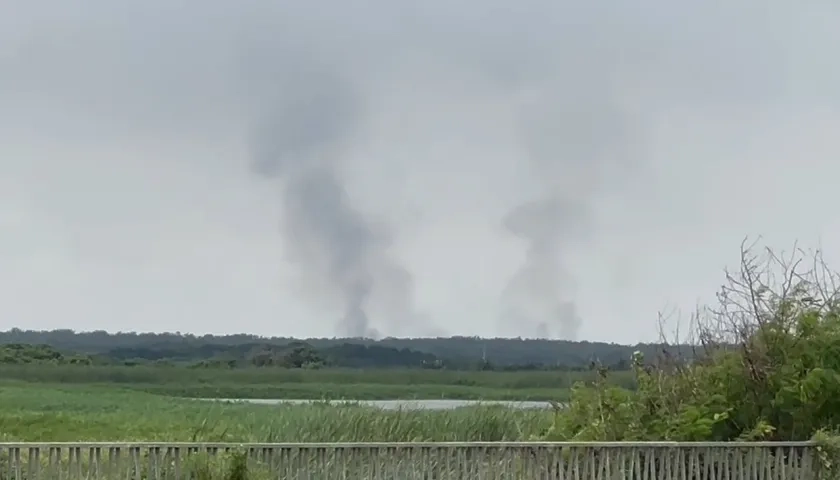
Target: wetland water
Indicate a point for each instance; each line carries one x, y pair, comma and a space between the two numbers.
396, 404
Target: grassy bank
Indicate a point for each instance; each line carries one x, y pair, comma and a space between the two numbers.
83, 413
371, 391
266, 376
312, 384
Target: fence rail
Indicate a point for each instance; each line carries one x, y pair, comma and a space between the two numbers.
406, 461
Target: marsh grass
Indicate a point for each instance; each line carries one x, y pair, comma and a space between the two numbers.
303, 383
326, 391
76, 413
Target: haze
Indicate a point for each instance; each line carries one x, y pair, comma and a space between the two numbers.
532, 168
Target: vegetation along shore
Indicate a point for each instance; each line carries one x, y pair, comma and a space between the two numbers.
764, 366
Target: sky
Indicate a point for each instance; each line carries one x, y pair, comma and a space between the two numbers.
384, 167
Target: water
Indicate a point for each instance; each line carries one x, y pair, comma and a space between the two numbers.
396, 404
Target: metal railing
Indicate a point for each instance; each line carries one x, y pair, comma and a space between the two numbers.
405, 461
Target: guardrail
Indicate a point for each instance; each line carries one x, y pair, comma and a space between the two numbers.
405, 461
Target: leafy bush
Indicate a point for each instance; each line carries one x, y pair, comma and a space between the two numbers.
765, 366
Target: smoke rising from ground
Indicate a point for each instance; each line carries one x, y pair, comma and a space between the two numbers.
577, 137
302, 139
307, 169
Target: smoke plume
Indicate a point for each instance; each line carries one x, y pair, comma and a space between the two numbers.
575, 142
340, 252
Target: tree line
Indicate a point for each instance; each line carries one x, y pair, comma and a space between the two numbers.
241, 350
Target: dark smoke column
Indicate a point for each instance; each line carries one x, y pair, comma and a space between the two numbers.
576, 138
540, 296
300, 139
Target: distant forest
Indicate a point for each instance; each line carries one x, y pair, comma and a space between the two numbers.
241, 350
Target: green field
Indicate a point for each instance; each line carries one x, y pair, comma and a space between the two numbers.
143, 403
84, 413
380, 384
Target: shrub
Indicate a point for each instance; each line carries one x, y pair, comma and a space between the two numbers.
765, 366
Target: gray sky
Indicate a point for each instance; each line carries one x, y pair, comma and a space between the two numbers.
405, 168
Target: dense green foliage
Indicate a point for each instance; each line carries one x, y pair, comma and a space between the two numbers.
782, 382
464, 353
25, 354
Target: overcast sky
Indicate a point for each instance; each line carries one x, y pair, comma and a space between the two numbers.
405, 168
